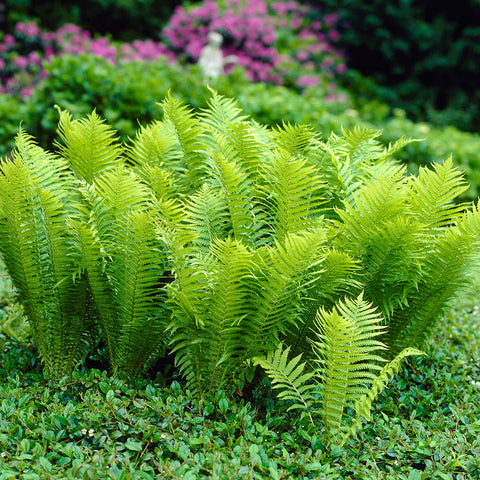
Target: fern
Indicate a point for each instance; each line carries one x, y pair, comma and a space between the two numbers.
36, 246
290, 378
88, 145
345, 374
189, 135
363, 405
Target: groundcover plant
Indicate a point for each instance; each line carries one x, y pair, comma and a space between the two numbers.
215, 238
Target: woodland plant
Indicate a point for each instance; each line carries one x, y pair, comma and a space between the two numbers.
218, 239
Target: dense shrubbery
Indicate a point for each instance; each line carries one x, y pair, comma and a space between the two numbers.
126, 20
281, 42
422, 55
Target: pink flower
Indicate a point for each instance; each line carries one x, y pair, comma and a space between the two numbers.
302, 55
334, 35
21, 62
331, 19
9, 39
27, 91
308, 81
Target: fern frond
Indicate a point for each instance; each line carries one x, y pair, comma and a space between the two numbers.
221, 113
190, 136
361, 144
236, 189
208, 215
293, 193
363, 405
35, 243
140, 297
282, 276
88, 145
453, 257
289, 376
434, 192
294, 139
396, 146
347, 356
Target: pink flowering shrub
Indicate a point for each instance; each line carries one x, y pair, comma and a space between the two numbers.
23, 53
278, 42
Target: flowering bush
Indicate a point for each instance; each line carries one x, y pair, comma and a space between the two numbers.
278, 42
22, 53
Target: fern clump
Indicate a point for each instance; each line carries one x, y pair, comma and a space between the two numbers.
216, 238
346, 371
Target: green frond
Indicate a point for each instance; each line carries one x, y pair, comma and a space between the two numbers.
208, 214
281, 279
452, 259
89, 145
239, 143
35, 243
112, 195
339, 277
392, 261
155, 146
396, 146
294, 139
347, 356
92, 264
190, 136
155, 157
362, 144
293, 193
290, 377
379, 201
161, 182
363, 405
203, 345
140, 297
434, 192
221, 112
236, 189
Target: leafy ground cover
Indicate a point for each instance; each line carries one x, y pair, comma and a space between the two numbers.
426, 425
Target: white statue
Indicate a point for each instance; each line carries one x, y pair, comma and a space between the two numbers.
211, 59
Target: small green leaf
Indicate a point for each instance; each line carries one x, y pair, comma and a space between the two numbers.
133, 446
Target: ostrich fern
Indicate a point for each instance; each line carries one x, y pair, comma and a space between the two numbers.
219, 238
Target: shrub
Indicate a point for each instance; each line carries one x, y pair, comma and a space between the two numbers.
127, 20
279, 42
422, 54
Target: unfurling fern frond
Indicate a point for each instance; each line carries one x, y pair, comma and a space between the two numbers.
88, 145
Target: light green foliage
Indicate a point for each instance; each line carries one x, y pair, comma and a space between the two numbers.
219, 238
36, 199
346, 371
